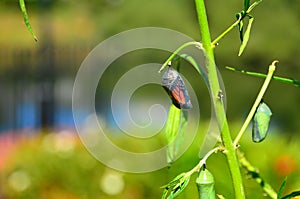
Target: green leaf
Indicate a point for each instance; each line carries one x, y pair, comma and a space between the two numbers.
246, 4
261, 121
281, 79
177, 189
206, 185
173, 123
280, 192
26, 20
165, 193
253, 6
176, 186
174, 181
176, 123
239, 16
246, 36
241, 30
192, 61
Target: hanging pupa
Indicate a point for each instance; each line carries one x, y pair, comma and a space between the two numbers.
261, 121
173, 83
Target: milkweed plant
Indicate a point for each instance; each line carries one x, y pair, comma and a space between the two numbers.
260, 113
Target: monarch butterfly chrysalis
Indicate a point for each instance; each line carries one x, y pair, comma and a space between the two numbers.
261, 122
176, 89
206, 184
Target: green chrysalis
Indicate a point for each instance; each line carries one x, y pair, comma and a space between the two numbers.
261, 122
206, 184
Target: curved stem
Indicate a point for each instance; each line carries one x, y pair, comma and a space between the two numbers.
203, 161
191, 43
260, 95
214, 87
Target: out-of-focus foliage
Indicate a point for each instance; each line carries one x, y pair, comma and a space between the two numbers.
274, 35
56, 165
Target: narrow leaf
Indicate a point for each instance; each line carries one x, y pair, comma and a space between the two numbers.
174, 146
165, 193
241, 30
174, 181
173, 123
176, 123
197, 67
239, 16
246, 4
280, 192
192, 61
253, 6
178, 188
246, 36
281, 79
26, 20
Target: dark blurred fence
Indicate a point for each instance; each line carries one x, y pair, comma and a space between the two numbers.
36, 86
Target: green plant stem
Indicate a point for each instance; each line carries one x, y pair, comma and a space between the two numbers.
218, 103
241, 17
214, 43
192, 43
203, 161
253, 172
259, 97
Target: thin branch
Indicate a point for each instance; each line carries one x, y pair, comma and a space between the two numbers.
260, 95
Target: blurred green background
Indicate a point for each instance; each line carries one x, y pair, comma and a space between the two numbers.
40, 153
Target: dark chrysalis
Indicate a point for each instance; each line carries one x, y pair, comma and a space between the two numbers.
261, 122
176, 89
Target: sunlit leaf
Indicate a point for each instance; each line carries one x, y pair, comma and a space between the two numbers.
246, 36
26, 20
261, 121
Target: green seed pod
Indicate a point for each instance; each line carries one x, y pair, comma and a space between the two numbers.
261, 122
206, 185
